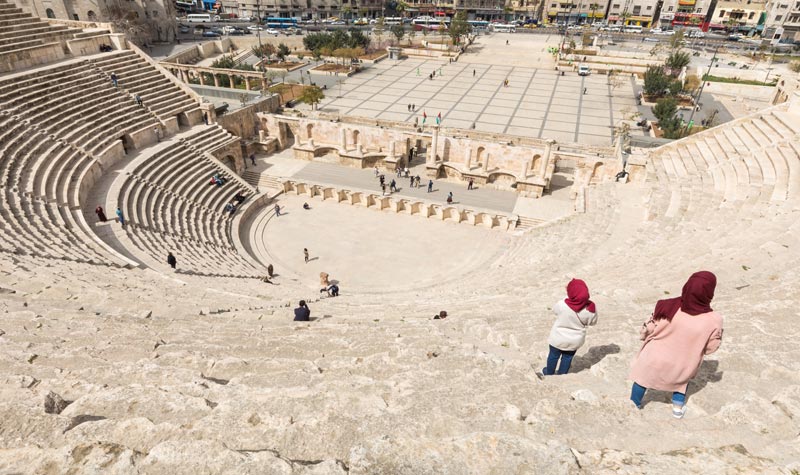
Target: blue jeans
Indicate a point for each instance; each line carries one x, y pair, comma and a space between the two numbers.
637, 393
552, 361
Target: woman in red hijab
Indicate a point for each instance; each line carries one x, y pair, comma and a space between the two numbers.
574, 315
680, 332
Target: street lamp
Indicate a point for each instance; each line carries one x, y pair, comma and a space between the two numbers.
700, 91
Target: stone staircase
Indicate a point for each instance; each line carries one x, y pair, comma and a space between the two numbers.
262, 181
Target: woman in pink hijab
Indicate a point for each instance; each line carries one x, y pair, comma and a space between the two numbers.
680, 332
574, 315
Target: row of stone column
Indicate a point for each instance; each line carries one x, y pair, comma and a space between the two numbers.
185, 75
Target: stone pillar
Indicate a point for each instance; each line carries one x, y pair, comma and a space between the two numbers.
216, 80
486, 161
434, 144
230, 81
264, 85
246, 83
202, 79
209, 109
391, 149
468, 158
525, 166
343, 139
548, 151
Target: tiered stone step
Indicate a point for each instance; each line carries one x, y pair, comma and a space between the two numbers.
137, 76
21, 31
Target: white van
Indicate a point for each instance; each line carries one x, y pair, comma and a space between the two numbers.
198, 18
583, 70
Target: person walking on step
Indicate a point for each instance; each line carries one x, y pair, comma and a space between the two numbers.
393, 186
171, 260
138, 100
574, 315
114, 79
253, 159
677, 336
302, 313
120, 217
305, 254
101, 214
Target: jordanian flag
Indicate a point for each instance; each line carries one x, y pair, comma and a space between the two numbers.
439, 118
424, 117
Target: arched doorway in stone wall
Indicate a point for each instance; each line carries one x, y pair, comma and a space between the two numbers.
536, 162
91, 15
50, 13
563, 174
597, 173
287, 134
355, 138
480, 156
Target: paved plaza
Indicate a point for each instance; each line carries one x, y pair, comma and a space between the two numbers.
538, 102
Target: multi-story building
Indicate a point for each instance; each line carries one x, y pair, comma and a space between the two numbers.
782, 24
481, 9
684, 13
740, 15
527, 9
576, 11
144, 20
633, 12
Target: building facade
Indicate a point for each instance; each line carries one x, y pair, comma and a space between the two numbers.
782, 23
684, 13
142, 20
746, 16
633, 12
576, 11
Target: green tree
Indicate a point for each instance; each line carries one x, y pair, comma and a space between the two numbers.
458, 27
225, 62
676, 40
594, 7
265, 51
677, 60
312, 95
665, 111
399, 32
656, 81
282, 52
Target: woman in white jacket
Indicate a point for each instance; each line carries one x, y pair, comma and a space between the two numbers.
573, 316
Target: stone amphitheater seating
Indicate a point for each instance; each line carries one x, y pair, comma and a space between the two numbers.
171, 205
23, 35
137, 76
204, 372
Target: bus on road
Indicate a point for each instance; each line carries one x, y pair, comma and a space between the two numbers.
280, 23
504, 28
430, 23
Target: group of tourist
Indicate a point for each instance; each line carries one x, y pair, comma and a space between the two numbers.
675, 338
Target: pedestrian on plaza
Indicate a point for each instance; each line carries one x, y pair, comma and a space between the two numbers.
409, 108
302, 313
138, 100
416, 123
171, 260
430, 186
506, 42
383, 188
382, 179
277, 210
470, 183
440, 71
417, 71
101, 215
253, 159
473, 73
418, 181
681, 331
120, 217
450, 198
270, 270
413, 107
114, 79
411, 182
305, 254
393, 186
333, 290
574, 315
584, 91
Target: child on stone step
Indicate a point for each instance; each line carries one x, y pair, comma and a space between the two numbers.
574, 315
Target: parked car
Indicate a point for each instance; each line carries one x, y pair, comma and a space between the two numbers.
184, 29
361, 21
255, 28
272, 31
211, 34
238, 32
